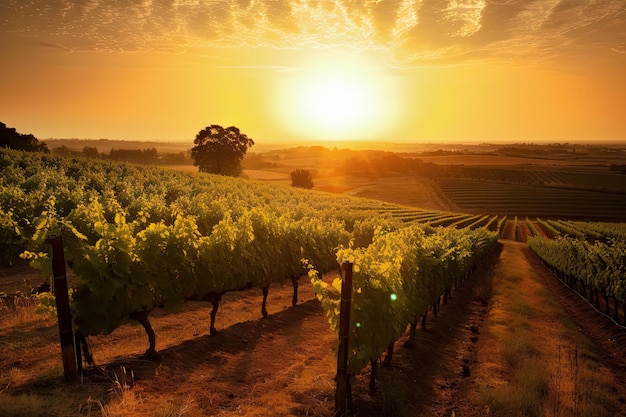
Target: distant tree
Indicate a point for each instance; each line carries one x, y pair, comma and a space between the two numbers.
174, 159
139, 156
90, 152
9, 138
301, 178
62, 151
220, 150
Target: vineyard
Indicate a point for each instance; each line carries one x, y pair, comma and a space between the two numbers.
138, 239
141, 241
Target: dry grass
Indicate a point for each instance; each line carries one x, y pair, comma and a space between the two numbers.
405, 190
24, 405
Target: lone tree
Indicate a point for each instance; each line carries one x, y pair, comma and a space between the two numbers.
220, 150
10, 138
301, 178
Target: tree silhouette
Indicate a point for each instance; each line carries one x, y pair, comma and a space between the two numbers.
62, 150
301, 178
220, 150
9, 138
91, 152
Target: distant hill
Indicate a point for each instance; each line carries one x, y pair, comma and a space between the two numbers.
105, 145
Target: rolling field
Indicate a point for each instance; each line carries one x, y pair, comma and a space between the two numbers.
592, 180
533, 201
581, 177
571, 186
487, 160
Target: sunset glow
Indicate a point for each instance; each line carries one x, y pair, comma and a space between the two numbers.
337, 100
286, 70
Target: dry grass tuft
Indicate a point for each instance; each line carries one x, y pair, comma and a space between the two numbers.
25, 405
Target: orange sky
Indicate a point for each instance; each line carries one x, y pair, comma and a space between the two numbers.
297, 70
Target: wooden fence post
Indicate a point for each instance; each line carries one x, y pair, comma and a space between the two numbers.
343, 392
64, 314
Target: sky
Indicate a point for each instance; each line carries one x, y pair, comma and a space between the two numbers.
308, 71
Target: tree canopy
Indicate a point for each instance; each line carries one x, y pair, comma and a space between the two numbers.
220, 150
301, 178
10, 138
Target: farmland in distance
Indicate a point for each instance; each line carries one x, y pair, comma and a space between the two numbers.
548, 181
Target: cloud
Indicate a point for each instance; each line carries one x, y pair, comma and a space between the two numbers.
408, 30
52, 46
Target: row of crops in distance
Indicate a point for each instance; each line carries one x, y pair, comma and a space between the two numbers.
583, 230
560, 177
487, 197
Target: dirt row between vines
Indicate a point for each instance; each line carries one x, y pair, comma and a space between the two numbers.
285, 365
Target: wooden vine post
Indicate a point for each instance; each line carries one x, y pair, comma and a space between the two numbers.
64, 314
343, 391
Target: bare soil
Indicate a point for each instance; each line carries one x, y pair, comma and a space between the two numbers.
285, 365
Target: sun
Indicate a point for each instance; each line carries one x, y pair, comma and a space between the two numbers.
336, 102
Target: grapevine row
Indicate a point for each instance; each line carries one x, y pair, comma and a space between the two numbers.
591, 269
397, 279
547, 226
563, 228
599, 230
126, 269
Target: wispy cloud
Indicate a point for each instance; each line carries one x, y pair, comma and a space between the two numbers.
409, 30
52, 46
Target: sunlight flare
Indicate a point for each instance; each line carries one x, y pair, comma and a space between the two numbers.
351, 100
337, 100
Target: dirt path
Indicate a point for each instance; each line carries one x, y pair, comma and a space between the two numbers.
568, 343
611, 339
